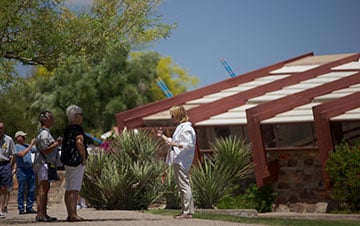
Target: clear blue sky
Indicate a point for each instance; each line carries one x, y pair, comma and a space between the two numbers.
250, 34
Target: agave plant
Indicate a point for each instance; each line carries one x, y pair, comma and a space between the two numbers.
211, 182
234, 155
128, 177
221, 174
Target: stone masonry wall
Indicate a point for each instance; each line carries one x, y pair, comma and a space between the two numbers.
300, 178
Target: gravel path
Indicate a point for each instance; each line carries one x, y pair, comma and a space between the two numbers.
137, 218
106, 218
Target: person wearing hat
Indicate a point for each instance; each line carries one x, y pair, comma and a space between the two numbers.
24, 173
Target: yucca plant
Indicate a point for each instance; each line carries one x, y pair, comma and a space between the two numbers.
128, 177
234, 155
211, 182
220, 174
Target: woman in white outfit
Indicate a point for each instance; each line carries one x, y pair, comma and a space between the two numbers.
180, 156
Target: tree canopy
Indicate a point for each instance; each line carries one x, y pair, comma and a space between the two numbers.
44, 32
84, 57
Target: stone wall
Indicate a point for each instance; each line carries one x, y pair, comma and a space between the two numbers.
300, 178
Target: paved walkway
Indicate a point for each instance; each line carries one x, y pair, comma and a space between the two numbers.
106, 218
137, 218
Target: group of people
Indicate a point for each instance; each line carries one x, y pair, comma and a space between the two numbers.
17, 159
181, 150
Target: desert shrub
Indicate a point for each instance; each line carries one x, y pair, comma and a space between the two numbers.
260, 199
210, 182
128, 176
220, 175
343, 168
171, 193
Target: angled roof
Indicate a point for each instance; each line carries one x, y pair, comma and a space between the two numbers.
313, 79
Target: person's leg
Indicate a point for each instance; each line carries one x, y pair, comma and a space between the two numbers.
2, 200
42, 198
21, 178
73, 181
30, 182
183, 183
8, 184
72, 197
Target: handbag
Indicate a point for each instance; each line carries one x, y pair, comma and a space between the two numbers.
52, 170
70, 156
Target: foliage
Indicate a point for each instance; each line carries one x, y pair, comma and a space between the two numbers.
44, 32
260, 199
234, 155
220, 175
171, 193
112, 83
210, 182
343, 168
128, 177
14, 114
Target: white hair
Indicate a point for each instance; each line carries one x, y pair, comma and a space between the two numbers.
72, 110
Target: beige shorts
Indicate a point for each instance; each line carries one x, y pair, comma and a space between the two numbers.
74, 177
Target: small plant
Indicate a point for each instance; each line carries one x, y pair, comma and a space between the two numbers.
260, 199
221, 174
210, 184
343, 167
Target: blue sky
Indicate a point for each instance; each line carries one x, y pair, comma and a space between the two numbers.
250, 34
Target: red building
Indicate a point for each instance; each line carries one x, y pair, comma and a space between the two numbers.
293, 113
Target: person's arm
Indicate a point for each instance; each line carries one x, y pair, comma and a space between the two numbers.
81, 147
52, 146
22, 153
12, 157
186, 140
168, 140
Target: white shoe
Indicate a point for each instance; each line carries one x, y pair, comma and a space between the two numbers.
2, 215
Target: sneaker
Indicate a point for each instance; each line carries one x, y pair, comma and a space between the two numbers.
2, 215
30, 211
45, 219
5, 210
21, 212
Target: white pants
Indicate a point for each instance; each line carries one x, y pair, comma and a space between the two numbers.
183, 183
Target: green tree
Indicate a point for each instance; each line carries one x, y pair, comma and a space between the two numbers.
46, 31
102, 87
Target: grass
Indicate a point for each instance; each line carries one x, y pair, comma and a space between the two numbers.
258, 220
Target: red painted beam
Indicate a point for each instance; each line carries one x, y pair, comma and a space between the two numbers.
322, 115
131, 118
267, 110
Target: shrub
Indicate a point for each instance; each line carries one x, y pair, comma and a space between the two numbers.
127, 177
234, 155
343, 168
171, 193
222, 173
210, 183
260, 199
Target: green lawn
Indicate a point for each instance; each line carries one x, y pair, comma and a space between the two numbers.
258, 220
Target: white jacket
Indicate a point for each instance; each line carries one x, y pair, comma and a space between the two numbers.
185, 136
